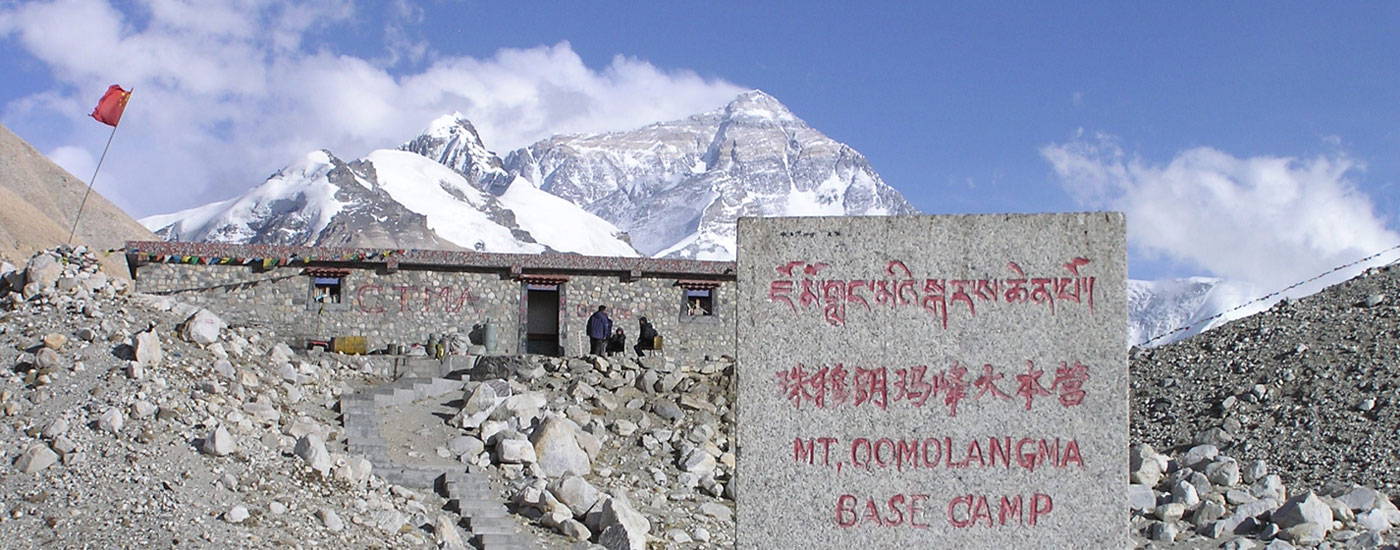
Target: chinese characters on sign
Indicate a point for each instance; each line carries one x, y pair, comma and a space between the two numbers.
854, 386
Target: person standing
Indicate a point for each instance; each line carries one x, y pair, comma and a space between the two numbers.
646, 336
599, 329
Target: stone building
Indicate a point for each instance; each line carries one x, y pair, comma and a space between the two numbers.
511, 303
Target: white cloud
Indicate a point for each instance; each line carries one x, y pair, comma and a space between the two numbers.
1270, 221
226, 92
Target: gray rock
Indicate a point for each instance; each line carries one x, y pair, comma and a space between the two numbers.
1145, 466
1185, 493
515, 451
201, 328
557, 450
466, 445
1223, 472
43, 270
1269, 486
1303, 508
1208, 511
446, 534
47, 360
147, 345
622, 527
60, 426
1307, 534
1254, 471
111, 420
717, 511
668, 410
1141, 497
354, 470
236, 514
1161, 531
1170, 512
574, 530
388, 521
697, 461
1279, 544
576, 493
481, 402
312, 449
1239, 543
35, 458
1200, 455
218, 443
330, 519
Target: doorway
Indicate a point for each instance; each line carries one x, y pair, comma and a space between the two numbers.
542, 319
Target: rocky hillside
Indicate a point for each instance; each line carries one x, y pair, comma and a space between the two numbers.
1308, 391
41, 200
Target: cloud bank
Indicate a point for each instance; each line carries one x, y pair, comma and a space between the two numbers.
228, 91
1269, 221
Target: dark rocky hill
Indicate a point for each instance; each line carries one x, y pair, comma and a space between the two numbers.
1312, 386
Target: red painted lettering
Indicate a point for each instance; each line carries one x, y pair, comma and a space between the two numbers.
846, 511
360, 299
1041, 504
855, 448
1010, 508
802, 450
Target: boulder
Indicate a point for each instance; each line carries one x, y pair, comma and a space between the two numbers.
202, 328
556, 449
35, 458
576, 493
312, 449
218, 443
147, 346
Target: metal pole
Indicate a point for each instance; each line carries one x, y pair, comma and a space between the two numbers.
90, 184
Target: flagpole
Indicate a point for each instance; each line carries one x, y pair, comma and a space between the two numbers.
93, 181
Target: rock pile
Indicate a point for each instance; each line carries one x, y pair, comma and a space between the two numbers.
595, 435
141, 421
1202, 498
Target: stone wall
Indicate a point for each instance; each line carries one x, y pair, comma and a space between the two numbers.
661, 301
402, 307
406, 306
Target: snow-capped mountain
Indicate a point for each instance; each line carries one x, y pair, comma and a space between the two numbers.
678, 187
393, 198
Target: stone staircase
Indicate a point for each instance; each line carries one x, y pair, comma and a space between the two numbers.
469, 493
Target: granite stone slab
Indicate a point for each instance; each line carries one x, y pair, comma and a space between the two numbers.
932, 382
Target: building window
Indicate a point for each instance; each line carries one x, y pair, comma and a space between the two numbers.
699, 301
327, 290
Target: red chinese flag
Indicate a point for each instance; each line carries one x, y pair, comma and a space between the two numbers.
109, 108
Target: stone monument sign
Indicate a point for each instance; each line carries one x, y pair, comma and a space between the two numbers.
932, 382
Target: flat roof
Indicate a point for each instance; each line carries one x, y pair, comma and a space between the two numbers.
143, 252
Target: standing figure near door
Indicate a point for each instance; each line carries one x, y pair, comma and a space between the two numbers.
599, 329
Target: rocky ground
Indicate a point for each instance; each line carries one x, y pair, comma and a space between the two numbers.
1309, 389
132, 421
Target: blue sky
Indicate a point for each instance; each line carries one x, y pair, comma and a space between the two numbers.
1249, 141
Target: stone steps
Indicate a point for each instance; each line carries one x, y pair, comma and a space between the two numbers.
492, 527
469, 494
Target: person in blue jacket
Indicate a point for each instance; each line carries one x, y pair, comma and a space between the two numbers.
599, 329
